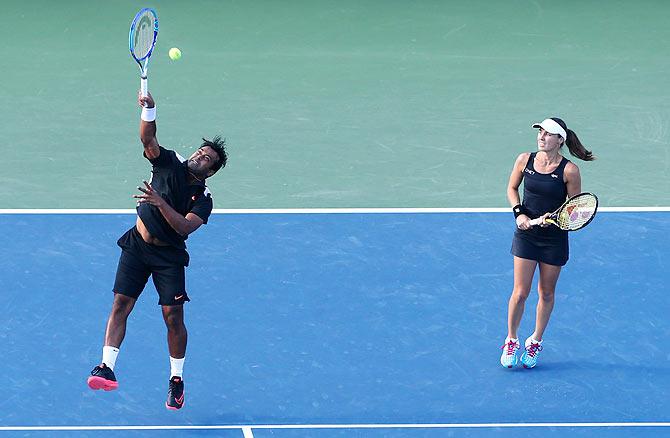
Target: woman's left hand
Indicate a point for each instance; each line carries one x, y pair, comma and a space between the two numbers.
543, 217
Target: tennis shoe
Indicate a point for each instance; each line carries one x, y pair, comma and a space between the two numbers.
531, 352
175, 398
102, 377
508, 358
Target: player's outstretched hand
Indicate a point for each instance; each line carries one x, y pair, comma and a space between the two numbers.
147, 102
149, 196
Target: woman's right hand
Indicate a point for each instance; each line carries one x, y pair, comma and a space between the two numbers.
523, 222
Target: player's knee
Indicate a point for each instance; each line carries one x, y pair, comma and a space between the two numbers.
175, 325
174, 321
122, 305
546, 295
520, 295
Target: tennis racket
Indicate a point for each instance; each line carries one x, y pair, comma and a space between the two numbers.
142, 39
575, 213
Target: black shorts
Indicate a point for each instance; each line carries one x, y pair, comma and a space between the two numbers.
547, 248
139, 260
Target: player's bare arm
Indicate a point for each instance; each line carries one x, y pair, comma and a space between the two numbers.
573, 179
148, 129
515, 179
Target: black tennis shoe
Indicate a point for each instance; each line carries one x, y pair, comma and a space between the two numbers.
102, 377
175, 398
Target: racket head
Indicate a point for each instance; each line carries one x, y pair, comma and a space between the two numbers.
143, 34
577, 212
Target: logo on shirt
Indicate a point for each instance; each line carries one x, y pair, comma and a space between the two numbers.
553, 175
528, 171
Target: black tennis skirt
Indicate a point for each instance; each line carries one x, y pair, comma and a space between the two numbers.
538, 244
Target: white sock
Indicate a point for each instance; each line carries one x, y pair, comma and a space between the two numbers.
176, 367
507, 339
533, 340
109, 356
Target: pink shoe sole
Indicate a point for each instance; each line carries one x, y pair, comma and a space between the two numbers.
172, 408
95, 383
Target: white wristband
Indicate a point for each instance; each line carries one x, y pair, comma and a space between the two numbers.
148, 114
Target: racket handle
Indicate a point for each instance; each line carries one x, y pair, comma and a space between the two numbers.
536, 221
143, 87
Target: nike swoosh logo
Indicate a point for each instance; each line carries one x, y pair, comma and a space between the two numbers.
179, 297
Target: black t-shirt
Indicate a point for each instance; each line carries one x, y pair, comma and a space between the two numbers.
169, 177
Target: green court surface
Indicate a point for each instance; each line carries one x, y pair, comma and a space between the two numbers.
335, 103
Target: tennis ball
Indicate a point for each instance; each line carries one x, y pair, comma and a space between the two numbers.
174, 53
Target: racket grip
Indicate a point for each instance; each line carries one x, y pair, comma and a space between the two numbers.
536, 221
144, 90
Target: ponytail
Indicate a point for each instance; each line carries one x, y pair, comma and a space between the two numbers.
576, 147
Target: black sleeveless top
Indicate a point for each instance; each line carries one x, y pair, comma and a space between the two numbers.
544, 193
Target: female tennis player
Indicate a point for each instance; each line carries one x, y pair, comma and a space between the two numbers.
549, 178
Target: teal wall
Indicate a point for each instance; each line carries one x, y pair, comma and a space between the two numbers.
335, 103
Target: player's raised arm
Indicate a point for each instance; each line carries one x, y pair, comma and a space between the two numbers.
148, 126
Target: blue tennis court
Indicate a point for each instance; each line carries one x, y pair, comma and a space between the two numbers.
360, 321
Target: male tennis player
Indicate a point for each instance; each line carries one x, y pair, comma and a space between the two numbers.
549, 178
175, 203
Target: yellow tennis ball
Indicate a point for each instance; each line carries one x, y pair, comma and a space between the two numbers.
174, 53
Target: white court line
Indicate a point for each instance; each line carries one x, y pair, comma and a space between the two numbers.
247, 432
250, 427
309, 210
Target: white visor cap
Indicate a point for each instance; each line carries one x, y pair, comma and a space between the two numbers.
552, 127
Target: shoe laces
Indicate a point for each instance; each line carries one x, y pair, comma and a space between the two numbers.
511, 347
533, 349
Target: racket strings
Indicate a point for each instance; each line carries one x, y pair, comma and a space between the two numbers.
143, 36
577, 212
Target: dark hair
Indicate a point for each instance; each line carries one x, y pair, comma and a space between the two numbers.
575, 146
219, 146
